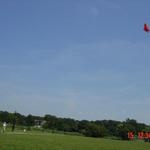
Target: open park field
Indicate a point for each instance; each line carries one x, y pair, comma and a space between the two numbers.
50, 141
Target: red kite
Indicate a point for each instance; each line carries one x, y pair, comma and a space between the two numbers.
146, 28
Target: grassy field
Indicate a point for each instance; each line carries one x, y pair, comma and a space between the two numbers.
43, 141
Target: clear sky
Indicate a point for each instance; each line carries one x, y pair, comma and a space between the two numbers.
84, 59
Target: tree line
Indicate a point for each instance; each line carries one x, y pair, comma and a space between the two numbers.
98, 128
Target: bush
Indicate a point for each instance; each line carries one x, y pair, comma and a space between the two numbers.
94, 130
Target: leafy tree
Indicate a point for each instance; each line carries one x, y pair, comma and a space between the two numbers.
29, 120
94, 130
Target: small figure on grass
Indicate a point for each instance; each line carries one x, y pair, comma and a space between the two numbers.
4, 127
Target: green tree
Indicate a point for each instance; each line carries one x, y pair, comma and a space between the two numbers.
94, 130
29, 120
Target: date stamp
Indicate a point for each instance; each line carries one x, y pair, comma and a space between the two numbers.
141, 135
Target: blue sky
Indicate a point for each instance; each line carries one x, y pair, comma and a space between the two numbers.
84, 59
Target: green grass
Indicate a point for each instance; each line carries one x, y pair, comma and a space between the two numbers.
49, 141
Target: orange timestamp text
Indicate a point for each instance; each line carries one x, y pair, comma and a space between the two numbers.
141, 135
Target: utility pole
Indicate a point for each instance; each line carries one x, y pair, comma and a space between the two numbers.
14, 121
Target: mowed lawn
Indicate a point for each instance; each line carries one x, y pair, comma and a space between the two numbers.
35, 141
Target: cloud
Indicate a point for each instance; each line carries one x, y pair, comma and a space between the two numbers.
102, 4
95, 7
110, 4
94, 11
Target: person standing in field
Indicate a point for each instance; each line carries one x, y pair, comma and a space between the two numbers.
4, 126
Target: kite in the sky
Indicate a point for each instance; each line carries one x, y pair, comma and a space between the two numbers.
146, 28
